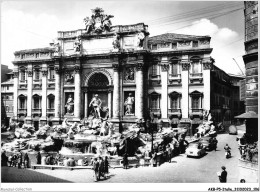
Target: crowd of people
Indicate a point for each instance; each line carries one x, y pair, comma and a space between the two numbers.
15, 160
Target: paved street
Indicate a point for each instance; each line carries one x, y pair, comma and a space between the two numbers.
181, 170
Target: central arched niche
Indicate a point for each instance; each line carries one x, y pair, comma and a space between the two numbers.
98, 80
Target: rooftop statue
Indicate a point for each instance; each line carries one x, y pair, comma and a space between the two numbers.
98, 22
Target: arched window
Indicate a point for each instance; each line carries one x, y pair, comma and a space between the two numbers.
154, 100
36, 101
22, 103
196, 100
175, 100
51, 100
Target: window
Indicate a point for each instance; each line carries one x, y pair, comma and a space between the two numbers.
52, 74
154, 102
174, 102
174, 45
154, 70
195, 102
196, 67
22, 76
51, 102
36, 104
154, 47
6, 108
37, 75
174, 69
195, 43
7, 87
37, 55
6, 97
22, 103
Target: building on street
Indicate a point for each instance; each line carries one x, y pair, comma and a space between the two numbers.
171, 76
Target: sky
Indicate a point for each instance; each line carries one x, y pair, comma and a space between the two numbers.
34, 24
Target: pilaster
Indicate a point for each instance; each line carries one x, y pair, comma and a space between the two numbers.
164, 78
16, 75
116, 91
43, 118
28, 119
185, 89
207, 65
139, 104
57, 104
77, 94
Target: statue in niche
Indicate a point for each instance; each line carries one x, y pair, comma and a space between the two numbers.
70, 105
69, 78
129, 74
77, 45
140, 39
96, 104
129, 102
116, 43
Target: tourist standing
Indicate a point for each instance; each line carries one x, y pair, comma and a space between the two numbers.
101, 168
106, 165
95, 169
20, 160
4, 159
125, 161
223, 175
153, 160
26, 161
38, 158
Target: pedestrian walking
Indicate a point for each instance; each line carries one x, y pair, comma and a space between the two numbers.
95, 169
100, 168
223, 175
125, 161
153, 159
4, 159
14, 160
10, 161
169, 153
215, 143
20, 160
106, 166
38, 158
26, 161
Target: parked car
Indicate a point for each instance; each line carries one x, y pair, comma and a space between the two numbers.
195, 150
207, 143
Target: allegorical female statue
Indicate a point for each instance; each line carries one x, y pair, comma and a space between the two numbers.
70, 105
129, 102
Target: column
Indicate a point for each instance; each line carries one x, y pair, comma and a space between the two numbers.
57, 94
16, 79
86, 105
77, 92
116, 92
43, 118
206, 80
28, 118
164, 78
185, 89
139, 103
110, 103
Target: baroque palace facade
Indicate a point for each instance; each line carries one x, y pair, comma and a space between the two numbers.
168, 75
